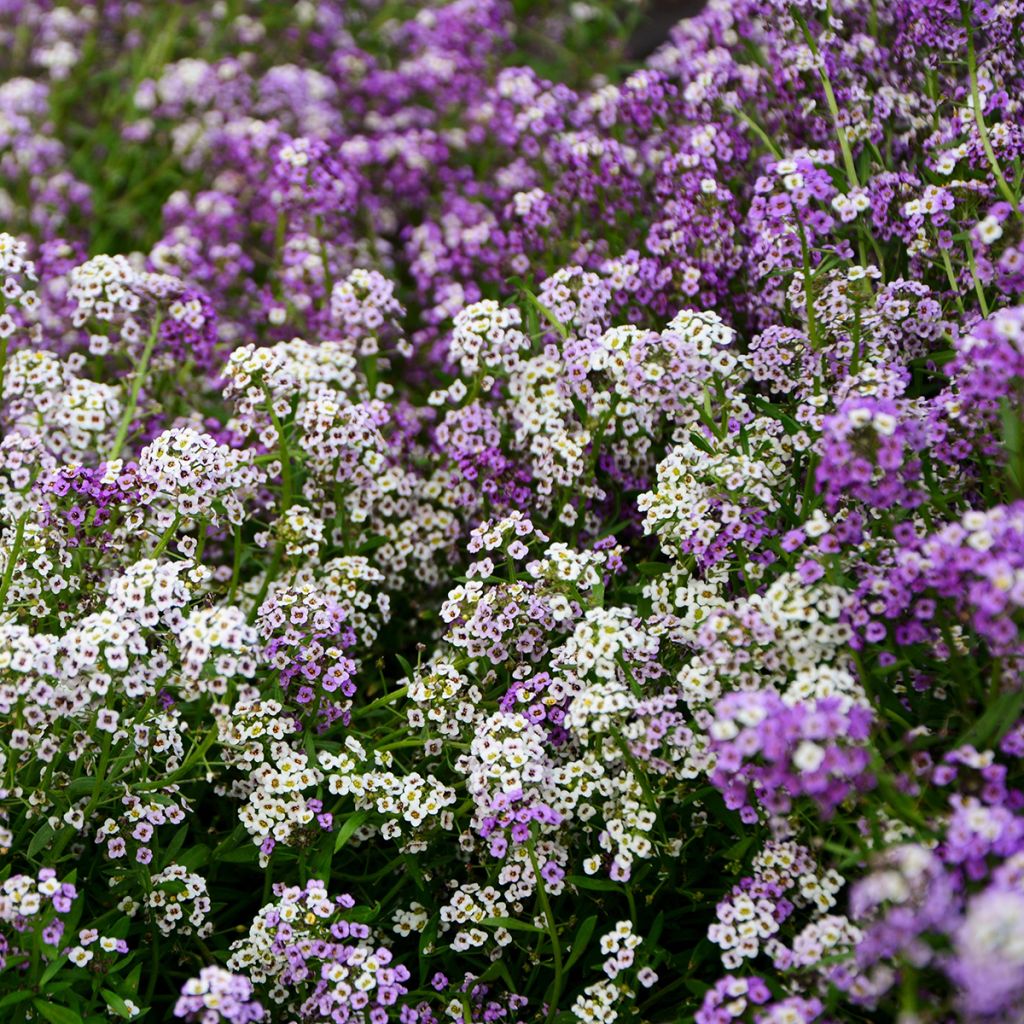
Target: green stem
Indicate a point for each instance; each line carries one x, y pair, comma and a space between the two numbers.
165, 539
3, 361
380, 702
766, 140
952, 280
97, 794
268, 577
154, 961
12, 559
236, 565
133, 397
286, 464
833, 106
194, 756
812, 320
979, 116
978, 289
556, 947
200, 541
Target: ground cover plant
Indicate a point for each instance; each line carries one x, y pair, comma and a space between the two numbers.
491, 531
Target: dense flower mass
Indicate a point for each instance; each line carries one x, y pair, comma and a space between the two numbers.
494, 531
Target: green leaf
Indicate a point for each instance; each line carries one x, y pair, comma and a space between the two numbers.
497, 970
406, 667
15, 997
176, 843
427, 937
737, 850
1012, 442
513, 925
597, 884
652, 568
654, 932
698, 440
349, 828
51, 971
194, 857
116, 1003
546, 313
80, 787
40, 839
56, 1014
243, 855
580, 940
996, 720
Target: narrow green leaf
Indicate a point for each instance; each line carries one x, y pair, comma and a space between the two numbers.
597, 884
56, 1014
580, 940
51, 970
15, 997
116, 1003
349, 828
512, 925
652, 568
996, 720
40, 839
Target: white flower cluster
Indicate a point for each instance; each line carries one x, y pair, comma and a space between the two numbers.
153, 592
216, 646
176, 892
16, 270
24, 896
681, 601
473, 904
196, 476
577, 299
305, 913
411, 803
274, 376
707, 490
747, 923
343, 443
297, 530
256, 738
485, 337
790, 638
597, 1003
363, 304
743, 924
100, 645
619, 947
110, 290
357, 588
104, 288
629, 817
442, 695
508, 754
49, 399
406, 922
602, 664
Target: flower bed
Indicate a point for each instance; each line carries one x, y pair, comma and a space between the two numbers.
493, 532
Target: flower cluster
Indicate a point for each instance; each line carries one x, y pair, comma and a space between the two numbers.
562, 490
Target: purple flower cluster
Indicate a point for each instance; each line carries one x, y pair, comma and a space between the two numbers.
776, 752
318, 961
217, 995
